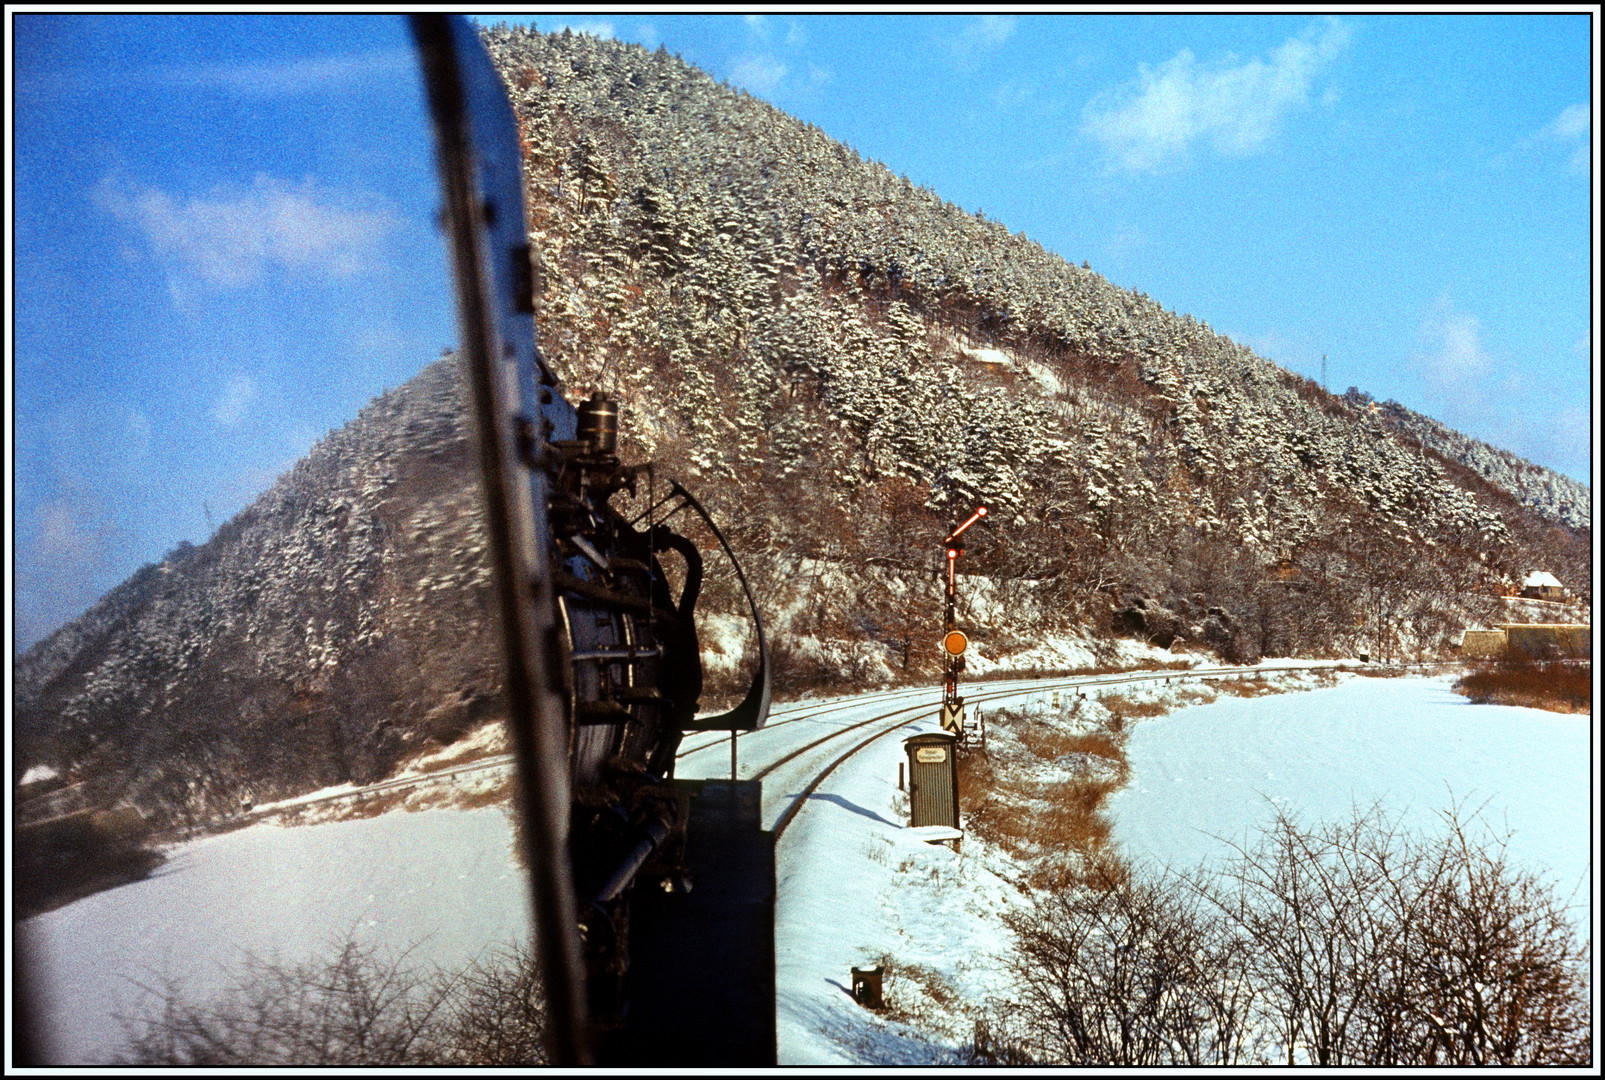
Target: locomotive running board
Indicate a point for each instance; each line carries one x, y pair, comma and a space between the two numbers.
702, 963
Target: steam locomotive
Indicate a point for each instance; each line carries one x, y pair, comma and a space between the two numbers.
604, 672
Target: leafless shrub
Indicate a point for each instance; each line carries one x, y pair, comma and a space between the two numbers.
1504, 977
1125, 973
996, 1039
356, 1008
497, 1013
1377, 946
1356, 943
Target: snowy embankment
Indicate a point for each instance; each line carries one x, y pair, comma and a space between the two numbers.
853, 884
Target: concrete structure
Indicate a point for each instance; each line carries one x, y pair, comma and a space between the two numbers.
1535, 640
1549, 640
1482, 644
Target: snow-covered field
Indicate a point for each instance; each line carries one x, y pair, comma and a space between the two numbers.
1220, 770
853, 883
441, 880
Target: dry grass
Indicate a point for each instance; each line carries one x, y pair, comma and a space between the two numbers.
446, 759
373, 805
1050, 744
1092, 669
1258, 686
919, 996
1057, 827
426, 794
1130, 709
1557, 686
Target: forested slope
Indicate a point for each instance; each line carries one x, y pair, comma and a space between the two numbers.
813, 315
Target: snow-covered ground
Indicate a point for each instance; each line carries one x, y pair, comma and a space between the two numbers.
442, 880
1220, 770
853, 884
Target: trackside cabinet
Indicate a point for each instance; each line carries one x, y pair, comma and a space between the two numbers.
933, 787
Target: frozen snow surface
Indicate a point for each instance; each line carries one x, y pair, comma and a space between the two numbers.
440, 882
853, 883
1220, 770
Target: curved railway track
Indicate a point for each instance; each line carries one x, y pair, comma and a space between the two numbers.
768, 754
802, 763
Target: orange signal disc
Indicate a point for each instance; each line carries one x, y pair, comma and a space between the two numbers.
955, 642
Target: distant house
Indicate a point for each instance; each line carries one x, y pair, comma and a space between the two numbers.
1541, 585
1285, 572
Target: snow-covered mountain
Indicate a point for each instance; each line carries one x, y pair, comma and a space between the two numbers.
840, 364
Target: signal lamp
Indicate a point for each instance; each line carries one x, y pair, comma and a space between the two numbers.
955, 643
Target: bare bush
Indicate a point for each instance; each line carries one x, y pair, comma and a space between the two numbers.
1356, 943
1504, 978
1126, 973
356, 1008
1377, 946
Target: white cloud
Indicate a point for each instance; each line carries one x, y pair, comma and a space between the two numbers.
758, 74
237, 397
1452, 356
1156, 120
647, 35
1278, 348
288, 78
1574, 122
979, 36
67, 532
1124, 241
66, 549
1574, 125
231, 237
796, 36
758, 26
597, 28
136, 438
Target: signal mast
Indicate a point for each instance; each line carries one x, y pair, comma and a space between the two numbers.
953, 640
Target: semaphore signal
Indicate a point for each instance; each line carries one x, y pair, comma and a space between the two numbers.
954, 642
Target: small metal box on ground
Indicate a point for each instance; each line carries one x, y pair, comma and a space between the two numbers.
933, 780
867, 986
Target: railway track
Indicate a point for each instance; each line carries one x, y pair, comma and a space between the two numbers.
777, 751
796, 761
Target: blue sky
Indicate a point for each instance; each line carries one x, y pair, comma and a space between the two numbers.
224, 247
223, 238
